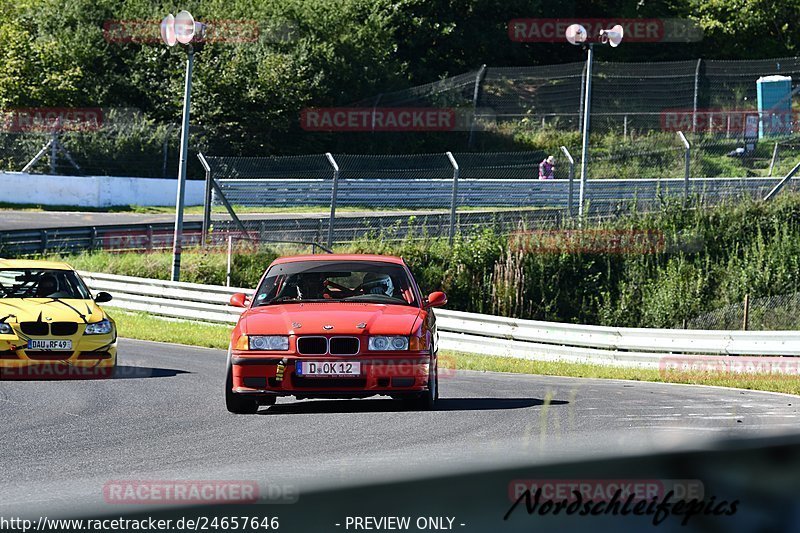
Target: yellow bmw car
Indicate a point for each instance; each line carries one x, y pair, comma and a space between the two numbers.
50, 325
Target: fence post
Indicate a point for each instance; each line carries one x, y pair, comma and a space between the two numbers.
334, 194
228, 262
571, 180
696, 91
454, 199
476, 93
775, 190
166, 150
581, 102
746, 319
687, 156
206, 200
587, 113
774, 158
54, 151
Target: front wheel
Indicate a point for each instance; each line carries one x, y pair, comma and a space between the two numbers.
235, 403
427, 400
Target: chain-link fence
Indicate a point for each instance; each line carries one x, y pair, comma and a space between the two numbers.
340, 198
334, 198
696, 96
636, 110
92, 142
778, 312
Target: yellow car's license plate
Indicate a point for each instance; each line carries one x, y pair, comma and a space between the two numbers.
50, 344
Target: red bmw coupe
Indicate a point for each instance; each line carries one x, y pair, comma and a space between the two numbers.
334, 326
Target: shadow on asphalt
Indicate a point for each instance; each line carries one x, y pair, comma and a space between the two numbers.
66, 373
143, 372
384, 405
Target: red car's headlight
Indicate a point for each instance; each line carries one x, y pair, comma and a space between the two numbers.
263, 342
382, 343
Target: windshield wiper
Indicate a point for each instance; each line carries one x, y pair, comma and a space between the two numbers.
283, 299
375, 298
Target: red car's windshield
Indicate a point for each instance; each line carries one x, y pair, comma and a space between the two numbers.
330, 281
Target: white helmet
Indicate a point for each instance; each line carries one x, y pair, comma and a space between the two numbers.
378, 284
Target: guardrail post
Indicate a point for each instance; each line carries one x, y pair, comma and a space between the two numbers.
454, 200
686, 161
44, 241
93, 238
149, 243
570, 186
206, 200
334, 195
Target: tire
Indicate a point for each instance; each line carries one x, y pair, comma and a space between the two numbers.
234, 402
427, 400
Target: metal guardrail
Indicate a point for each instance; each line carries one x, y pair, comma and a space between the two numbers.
141, 237
301, 230
475, 333
348, 228
437, 193
155, 236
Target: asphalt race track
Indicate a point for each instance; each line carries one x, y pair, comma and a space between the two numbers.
163, 418
24, 220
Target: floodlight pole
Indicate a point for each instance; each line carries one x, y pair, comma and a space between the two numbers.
587, 105
177, 241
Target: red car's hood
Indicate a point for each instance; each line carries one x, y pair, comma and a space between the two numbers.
309, 319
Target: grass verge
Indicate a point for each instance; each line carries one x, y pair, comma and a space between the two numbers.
146, 327
149, 328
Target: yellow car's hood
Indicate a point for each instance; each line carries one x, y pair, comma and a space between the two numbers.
50, 310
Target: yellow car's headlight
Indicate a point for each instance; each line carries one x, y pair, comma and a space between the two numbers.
98, 328
5, 329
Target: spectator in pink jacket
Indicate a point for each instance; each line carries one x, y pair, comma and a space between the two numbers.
547, 168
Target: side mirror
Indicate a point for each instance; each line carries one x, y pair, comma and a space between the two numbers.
102, 297
436, 299
239, 299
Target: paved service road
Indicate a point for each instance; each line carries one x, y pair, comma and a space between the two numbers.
15, 220
163, 418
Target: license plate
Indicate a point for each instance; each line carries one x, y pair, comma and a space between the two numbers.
328, 369
50, 344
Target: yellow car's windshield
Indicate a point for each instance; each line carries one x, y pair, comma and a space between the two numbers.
41, 283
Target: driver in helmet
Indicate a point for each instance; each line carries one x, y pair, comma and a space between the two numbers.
48, 285
375, 283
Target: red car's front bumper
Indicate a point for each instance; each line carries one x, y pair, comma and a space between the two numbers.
393, 374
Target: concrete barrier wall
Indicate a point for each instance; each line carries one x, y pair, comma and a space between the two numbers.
95, 191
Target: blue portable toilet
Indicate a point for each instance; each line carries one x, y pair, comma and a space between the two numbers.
774, 105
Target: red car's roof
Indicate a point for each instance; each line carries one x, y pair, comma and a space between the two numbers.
339, 257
